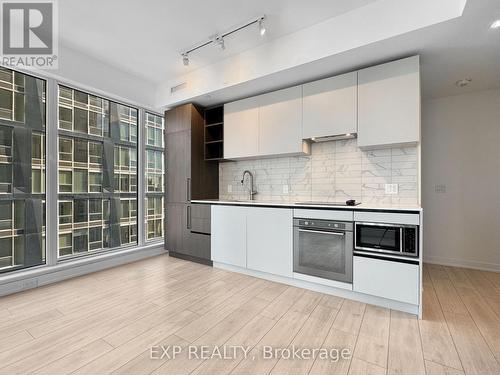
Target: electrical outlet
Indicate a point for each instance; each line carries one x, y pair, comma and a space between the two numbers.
229, 188
285, 189
440, 189
29, 284
391, 188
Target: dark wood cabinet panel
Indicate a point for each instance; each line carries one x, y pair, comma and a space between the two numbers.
188, 176
200, 245
178, 166
174, 226
180, 240
178, 119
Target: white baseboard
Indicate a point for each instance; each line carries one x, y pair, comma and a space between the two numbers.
483, 266
340, 292
43, 275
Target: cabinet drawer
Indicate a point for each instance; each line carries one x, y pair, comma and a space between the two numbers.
200, 218
386, 217
304, 213
387, 279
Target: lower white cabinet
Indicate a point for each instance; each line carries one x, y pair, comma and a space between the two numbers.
257, 238
270, 240
387, 279
228, 240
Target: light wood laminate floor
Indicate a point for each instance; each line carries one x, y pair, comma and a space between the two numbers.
107, 322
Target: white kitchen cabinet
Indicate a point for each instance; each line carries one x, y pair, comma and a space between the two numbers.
330, 106
241, 128
270, 240
387, 279
228, 239
389, 104
280, 122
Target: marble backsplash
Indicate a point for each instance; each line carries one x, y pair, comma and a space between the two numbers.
335, 171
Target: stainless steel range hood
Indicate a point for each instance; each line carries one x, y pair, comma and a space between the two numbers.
333, 137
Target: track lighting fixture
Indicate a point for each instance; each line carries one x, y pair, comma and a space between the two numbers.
218, 39
262, 27
463, 82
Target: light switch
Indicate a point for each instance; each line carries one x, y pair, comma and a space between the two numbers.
229, 188
285, 189
391, 188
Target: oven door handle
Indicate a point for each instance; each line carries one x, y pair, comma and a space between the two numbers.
322, 232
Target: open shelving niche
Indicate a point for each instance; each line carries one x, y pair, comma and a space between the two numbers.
214, 133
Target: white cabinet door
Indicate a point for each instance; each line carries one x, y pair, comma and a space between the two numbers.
228, 238
270, 240
280, 122
241, 128
389, 104
330, 106
392, 280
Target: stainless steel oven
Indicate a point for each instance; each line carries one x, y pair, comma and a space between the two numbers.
390, 239
323, 248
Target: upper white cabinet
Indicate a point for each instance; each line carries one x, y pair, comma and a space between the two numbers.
270, 240
241, 128
389, 104
265, 125
330, 106
280, 122
228, 239
381, 104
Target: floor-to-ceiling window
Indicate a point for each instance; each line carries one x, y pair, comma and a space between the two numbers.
97, 173
155, 184
22, 170
94, 178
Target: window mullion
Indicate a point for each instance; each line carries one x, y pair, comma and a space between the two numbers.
141, 178
51, 179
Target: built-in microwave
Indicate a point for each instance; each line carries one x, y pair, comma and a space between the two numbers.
391, 239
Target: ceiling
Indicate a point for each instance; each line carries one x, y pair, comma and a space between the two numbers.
145, 37
464, 47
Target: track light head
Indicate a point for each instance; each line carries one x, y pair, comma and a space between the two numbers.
219, 41
185, 59
262, 27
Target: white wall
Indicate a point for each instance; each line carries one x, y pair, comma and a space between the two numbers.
461, 149
87, 73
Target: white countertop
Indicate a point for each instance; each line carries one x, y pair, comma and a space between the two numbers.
362, 206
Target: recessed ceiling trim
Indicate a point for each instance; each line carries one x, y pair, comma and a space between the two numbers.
378, 21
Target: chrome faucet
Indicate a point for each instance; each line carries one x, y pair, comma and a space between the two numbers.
251, 191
